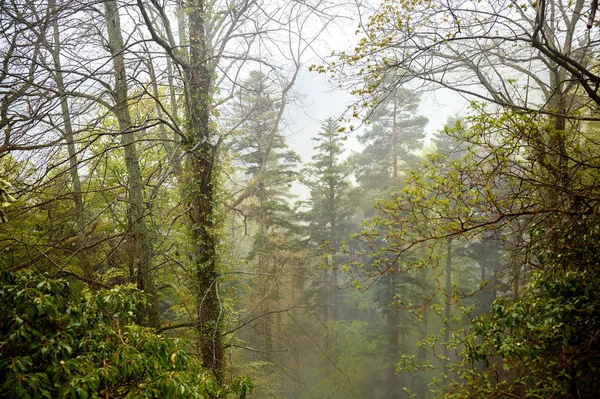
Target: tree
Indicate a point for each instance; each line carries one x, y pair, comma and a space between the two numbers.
499, 52
328, 215
493, 190
327, 178
81, 221
221, 38
137, 212
524, 351
270, 166
520, 180
395, 131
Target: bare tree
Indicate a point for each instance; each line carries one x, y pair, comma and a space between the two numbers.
217, 41
137, 217
515, 54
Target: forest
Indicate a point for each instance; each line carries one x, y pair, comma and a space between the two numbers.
161, 235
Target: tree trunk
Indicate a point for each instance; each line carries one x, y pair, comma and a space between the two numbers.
80, 219
448, 303
137, 227
421, 383
395, 140
201, 166
392, 388
264, 270
392, 380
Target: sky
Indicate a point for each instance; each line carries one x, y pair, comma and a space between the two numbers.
315, 99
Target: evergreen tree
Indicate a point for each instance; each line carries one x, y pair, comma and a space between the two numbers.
270, 168
396, 130
326, 176
328, 214
263, 153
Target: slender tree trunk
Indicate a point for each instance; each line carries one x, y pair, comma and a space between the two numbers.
392, 384
334, 234
395, 140
392, 387
167, 141
265, 277
448, 302
138, 227
180, 12
80, 219
419, 381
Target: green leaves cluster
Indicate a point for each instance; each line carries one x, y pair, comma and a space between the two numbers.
5, 198
540, 346
54, 346
500, 177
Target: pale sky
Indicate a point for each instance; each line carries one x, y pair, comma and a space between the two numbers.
317, 100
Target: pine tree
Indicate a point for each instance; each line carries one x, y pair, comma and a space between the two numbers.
396, 130
327, 178
270, 167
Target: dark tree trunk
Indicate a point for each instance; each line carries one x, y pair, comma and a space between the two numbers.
201, 166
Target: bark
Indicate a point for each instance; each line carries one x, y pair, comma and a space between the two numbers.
392, 380
80, 219
392, 384
137, 222
199, 76
448, 302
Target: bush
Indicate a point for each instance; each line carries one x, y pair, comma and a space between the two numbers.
543, 345
52, 346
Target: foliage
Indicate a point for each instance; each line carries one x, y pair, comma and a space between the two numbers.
395, 132
327, 178
542, 346
503, 184
55, 346
496, 51
263, 153
5, 198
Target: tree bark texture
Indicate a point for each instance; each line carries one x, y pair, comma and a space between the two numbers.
199, 81
80, 220
137, 219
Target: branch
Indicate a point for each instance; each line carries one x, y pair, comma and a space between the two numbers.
169, 47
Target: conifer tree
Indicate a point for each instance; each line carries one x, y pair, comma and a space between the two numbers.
270, 167
327, 178
396, 130
328, 216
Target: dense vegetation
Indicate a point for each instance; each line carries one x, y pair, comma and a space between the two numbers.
151, 246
